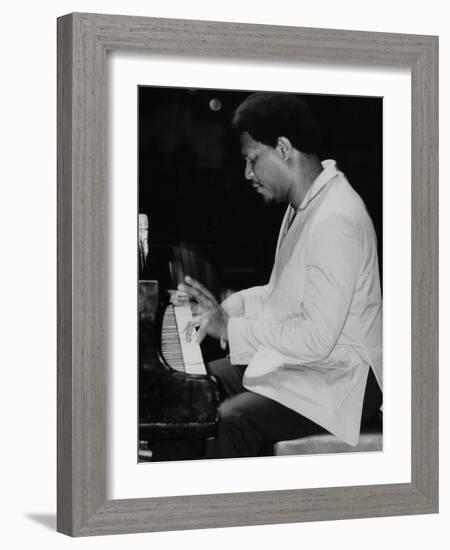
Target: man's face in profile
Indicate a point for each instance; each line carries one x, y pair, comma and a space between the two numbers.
265, 169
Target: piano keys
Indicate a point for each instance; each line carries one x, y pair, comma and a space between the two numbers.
181, 355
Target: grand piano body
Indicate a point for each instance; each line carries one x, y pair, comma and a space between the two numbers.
178, 400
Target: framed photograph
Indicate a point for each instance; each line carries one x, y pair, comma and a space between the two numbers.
199, 218
167, 168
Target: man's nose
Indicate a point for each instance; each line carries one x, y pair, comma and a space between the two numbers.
248, 171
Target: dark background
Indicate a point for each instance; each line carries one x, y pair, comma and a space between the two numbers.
193, 189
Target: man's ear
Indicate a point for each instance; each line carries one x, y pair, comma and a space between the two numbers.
284, 146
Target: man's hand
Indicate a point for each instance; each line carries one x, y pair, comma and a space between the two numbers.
179, 298
211, 318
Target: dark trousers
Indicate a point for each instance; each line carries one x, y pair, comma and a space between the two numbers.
250, 424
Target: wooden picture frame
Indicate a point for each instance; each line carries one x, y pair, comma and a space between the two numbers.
83, 41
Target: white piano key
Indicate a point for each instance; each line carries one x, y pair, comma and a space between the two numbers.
192, 354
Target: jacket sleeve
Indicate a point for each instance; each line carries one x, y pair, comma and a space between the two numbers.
245, 303
332, 267
253, 301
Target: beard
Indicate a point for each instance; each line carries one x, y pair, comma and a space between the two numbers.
266, 197
269, 200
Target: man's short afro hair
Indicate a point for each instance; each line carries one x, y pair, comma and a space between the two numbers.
267, 116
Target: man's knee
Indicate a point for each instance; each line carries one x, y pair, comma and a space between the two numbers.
237, 433
240, 411
230, 413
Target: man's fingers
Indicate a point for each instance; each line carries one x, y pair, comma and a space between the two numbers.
200, 288
191, 326
190, 329
179, 298
201, 333
194, 293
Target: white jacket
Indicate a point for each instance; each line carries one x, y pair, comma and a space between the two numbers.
310, 334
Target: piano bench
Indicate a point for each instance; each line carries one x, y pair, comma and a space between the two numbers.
327, 443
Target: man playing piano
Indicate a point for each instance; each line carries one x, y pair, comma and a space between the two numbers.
305, 350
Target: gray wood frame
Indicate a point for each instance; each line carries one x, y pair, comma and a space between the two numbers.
83, 40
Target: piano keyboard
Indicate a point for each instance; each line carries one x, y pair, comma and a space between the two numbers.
181, 355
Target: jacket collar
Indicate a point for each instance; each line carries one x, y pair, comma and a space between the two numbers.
329, 171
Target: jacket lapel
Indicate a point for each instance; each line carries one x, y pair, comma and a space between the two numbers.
288, 238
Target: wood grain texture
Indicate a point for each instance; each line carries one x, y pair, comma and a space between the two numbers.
64, 335
83, 204
424, 280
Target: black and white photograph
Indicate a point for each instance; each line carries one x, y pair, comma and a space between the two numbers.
260, 252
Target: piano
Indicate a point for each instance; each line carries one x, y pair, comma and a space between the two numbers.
178, 399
